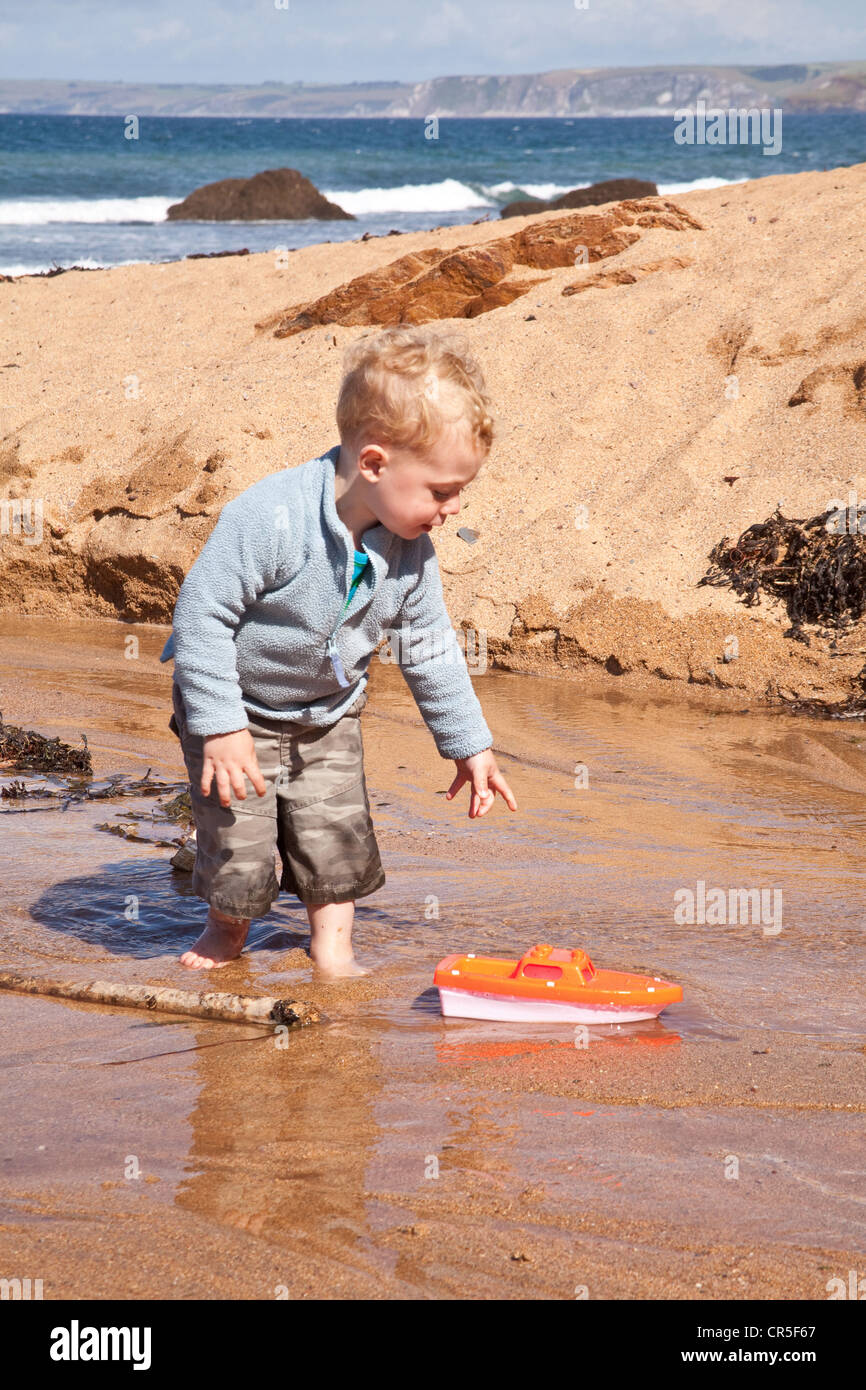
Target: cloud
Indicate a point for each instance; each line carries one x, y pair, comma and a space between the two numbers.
169, 30
249, 41
444, 25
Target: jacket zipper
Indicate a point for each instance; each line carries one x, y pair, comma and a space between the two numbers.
331, 648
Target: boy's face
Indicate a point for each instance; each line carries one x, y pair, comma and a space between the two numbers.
409, 492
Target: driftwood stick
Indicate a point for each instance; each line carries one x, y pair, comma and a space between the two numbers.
232, 1008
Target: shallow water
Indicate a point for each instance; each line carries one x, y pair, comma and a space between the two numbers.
680, 791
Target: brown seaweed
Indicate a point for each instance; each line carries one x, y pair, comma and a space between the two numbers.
818, 572
127, 831
24, 749
818, 569
179, 809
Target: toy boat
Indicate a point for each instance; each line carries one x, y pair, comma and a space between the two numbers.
548, 985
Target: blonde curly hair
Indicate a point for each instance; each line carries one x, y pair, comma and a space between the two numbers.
392, 387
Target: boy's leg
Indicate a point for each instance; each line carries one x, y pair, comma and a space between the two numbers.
331, 938
235, 847
325, 834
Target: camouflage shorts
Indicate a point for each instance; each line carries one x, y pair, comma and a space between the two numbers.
315, 812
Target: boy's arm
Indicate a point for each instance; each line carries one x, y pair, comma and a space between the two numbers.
239, 560
435, 669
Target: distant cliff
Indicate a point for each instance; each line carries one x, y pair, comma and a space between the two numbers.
564, 92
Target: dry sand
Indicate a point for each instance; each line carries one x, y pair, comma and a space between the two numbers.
136, 401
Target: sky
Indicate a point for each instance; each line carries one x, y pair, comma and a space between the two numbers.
251, 41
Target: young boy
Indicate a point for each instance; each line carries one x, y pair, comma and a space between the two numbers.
275, 627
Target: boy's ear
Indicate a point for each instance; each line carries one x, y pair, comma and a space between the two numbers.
370, 461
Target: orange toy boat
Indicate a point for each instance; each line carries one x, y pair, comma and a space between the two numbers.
548, 985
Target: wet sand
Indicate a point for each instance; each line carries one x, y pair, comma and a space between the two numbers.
392, 1153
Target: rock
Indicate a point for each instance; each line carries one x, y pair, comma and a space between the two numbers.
280, 195
606, 279
184, 859
608, 192
466, 281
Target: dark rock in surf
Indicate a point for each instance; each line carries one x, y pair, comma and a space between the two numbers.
275, 195
609, 192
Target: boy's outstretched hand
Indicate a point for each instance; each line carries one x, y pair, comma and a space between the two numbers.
486, 779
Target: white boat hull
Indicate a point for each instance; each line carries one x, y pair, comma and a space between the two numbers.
464, 1003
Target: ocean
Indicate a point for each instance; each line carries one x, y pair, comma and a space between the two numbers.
75, 191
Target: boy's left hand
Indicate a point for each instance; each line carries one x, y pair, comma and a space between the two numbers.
486, 779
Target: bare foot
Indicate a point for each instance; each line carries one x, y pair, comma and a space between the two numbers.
221, 941
336, 968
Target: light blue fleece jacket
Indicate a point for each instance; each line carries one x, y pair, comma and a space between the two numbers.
260, 624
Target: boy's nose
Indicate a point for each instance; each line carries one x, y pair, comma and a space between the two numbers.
452, 507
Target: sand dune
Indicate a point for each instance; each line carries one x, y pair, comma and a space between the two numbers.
717, 335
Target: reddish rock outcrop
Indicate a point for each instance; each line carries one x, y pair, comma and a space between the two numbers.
472, 280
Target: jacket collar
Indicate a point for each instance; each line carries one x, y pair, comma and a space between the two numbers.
377, 541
